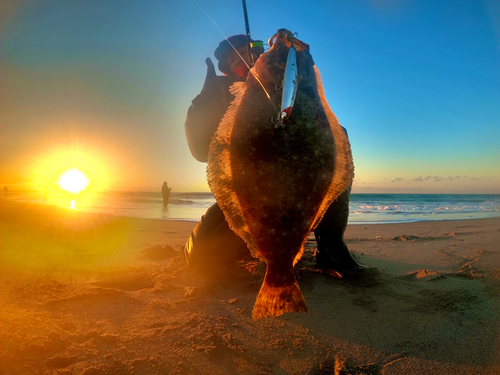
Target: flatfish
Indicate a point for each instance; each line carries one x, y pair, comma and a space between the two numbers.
274, 183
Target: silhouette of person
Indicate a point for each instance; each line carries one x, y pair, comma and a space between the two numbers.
165, 190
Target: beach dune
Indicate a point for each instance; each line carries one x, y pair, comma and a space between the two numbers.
94, 294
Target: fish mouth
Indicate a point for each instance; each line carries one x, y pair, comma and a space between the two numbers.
286, 37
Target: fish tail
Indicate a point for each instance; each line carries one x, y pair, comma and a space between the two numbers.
274, 301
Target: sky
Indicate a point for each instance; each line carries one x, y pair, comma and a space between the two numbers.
104, 86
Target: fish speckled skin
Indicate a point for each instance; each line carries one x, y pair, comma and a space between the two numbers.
275, 183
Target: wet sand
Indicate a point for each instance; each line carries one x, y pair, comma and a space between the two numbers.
94, 294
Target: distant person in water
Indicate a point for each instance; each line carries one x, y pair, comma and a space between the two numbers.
165, 190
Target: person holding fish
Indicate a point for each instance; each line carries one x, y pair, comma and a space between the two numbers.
212, 244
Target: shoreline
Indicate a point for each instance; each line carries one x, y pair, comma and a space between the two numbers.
8, 202
86, 293
376, 209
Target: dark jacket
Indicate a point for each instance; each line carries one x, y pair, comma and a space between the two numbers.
206, 112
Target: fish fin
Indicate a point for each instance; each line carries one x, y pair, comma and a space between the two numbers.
219, 174
238, 88
274, 301
226, 124
344, 166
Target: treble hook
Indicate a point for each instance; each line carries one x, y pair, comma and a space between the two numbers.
278, 121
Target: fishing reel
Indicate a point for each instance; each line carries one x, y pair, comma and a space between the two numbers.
256, 49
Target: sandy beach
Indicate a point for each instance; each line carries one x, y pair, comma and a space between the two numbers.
94, 294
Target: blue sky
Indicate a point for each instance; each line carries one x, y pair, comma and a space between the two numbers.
415, 83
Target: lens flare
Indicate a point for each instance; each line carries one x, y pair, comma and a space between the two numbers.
73, 181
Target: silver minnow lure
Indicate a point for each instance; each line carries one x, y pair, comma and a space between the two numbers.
289, 86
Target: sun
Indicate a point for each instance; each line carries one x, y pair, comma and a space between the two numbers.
73, 181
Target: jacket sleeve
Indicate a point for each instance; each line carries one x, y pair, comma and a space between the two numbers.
204, 115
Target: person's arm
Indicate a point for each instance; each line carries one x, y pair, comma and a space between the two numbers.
206, 112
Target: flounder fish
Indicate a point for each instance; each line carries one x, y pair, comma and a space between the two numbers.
274, 183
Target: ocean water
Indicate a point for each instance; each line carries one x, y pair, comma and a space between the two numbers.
402, 208
364, 208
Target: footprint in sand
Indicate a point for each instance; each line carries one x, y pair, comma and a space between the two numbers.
127, 283
62, 361
158, 252
423, 276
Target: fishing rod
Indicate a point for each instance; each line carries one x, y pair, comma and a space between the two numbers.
247, 29
177, 181
255, 48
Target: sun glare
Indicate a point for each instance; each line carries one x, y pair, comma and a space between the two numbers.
73, 181
96, 166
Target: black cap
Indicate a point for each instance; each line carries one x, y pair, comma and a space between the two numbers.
224, 48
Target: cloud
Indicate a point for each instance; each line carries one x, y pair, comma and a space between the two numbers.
430, 178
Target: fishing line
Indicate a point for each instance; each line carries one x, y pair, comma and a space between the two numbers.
241, 57
177, 181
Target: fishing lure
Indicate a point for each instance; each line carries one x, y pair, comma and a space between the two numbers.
289, 86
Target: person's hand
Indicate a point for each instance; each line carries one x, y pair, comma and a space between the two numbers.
210, 68
212, 80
